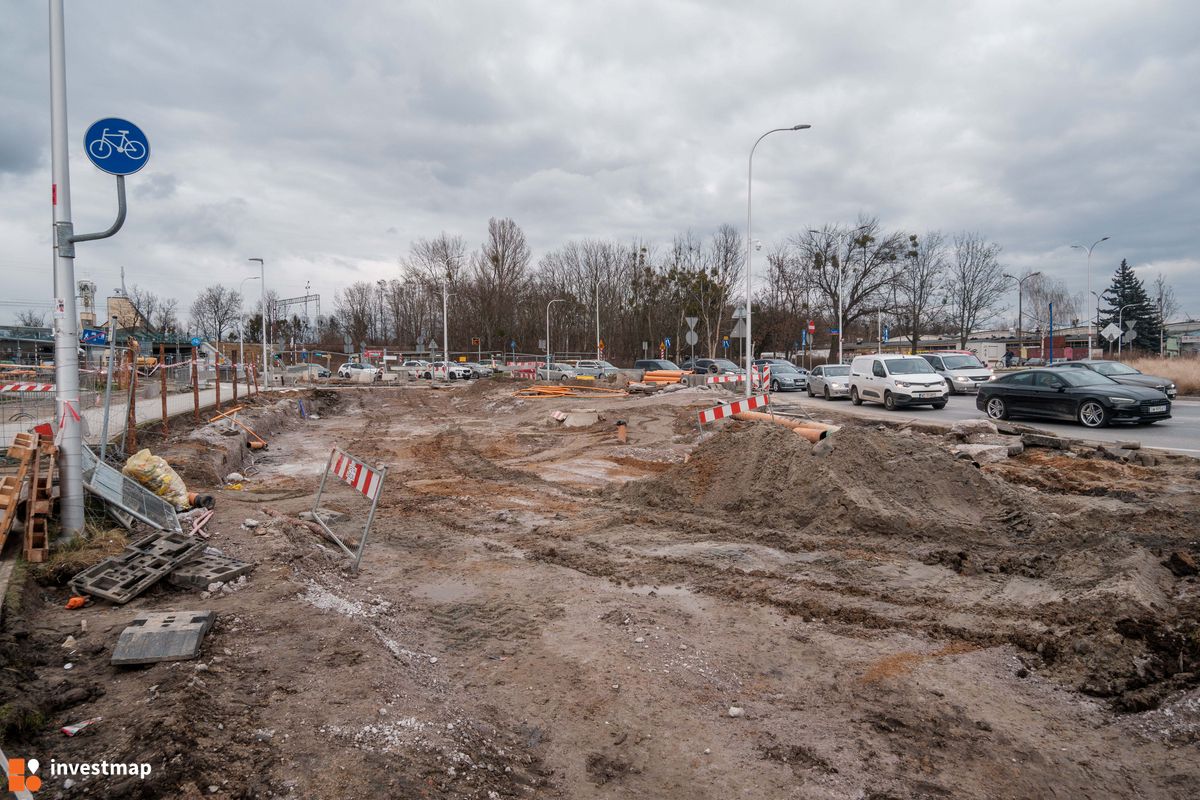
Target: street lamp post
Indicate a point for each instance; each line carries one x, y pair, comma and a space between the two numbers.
552, 302
1020, 296
841, 302
242, 325
749, 249
262, 274
598, 356
1089, 267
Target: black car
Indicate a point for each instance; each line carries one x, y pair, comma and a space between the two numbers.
1070, 394
785, 376
1123, 373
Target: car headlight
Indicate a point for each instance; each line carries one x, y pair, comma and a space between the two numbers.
1122, 401
1171, 388
903, 384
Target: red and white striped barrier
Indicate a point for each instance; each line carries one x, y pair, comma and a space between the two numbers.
356, 473
761, 377
26, 387
721, 412
524, 369
724, 379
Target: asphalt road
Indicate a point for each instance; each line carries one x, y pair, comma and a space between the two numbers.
1180, 434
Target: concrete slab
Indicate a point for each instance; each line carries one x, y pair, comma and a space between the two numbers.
162, 636
206, 568
139, 566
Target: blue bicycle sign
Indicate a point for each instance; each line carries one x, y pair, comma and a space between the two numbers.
116, 146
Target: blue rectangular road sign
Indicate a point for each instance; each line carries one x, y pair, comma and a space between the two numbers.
93, 336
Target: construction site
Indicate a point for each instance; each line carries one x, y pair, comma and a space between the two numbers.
490, 590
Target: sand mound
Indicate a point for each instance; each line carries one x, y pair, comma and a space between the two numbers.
874, 480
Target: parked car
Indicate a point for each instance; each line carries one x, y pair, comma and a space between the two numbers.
829, 381
962, 371
454, 371
896, 381
1071, 393
353, 368
785, 376
556, 371
712, 366
415, 367
653, 364
1123, 373
307, 371
478, 369
597, 368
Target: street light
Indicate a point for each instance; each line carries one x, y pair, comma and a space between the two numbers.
749, 251
1089, 265
262, 274
1020, 295
552, 302
242, 327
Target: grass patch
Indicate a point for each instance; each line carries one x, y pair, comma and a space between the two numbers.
19, 720
70, 558
1185, 372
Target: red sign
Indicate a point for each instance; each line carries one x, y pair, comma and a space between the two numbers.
372, 353
812, 326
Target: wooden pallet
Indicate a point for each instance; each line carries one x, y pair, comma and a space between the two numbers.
41, 495
23, 449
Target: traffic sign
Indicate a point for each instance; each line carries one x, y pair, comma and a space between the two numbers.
690, 337
812, 326
1111, 332
667, 341
691, 321
116, 146
886, 333
196, 341
93, 336
725, 343
474, 340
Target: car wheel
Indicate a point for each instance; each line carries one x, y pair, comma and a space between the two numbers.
810, 391
827, 397
939, 405
774, 386
854, 398
996, 408
1093, 414
889, 401
950, 387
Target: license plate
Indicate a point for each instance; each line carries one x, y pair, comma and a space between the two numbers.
927, 394
1156, 409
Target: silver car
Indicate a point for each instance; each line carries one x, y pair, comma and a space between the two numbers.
829, 381
963, 372
556, 372
597, 368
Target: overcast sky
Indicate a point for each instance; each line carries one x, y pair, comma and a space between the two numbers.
326, 137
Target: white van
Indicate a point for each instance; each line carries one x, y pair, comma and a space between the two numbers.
896, 381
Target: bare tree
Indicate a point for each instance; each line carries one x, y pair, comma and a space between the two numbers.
31, 318
1165, 306
500, 271
355, 307
158, 312
852, 267
920, 278
214, 311
1040, 292
975, 284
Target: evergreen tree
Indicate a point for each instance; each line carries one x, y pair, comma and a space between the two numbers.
1128, 292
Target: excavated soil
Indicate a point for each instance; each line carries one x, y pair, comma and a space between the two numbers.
546, 612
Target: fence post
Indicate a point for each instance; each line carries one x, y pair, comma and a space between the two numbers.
235, 381
217, 385
246, 373
131, 406
162, 368
195, 387
255, 370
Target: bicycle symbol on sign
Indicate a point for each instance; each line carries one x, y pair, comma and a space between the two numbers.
117, 142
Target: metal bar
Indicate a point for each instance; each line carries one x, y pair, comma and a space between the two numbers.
195, 388
162, 369
112, 354
370, 518
336, 540
324, 477
116, 226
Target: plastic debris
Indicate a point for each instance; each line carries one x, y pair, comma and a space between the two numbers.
71, 730
76, 602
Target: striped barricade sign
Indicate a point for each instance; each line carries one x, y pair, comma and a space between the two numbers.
721, 412
26, 387
524, 369
761, 377
365, 479
724, 379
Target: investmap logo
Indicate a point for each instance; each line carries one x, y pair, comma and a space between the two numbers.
23, 772
22, 775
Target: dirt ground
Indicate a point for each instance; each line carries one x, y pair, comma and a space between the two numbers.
545, 612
